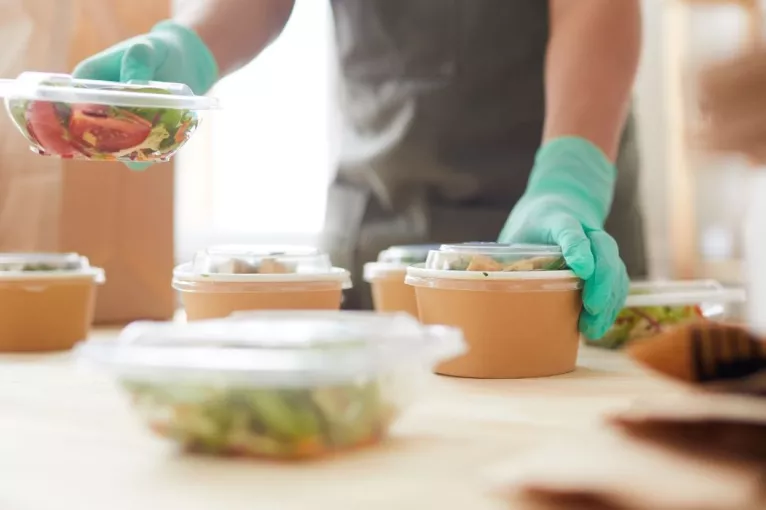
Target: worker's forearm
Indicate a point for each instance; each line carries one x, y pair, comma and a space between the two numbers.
593, 53
235, 31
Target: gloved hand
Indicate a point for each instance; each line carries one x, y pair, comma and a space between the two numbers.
566, 203
169, 52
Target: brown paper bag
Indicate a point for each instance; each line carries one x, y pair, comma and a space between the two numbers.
618, 473
121, 220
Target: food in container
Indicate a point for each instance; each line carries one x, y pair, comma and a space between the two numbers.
229, 278
47, 300
517, 305
282, 384
101, 120
653, 307
386, 278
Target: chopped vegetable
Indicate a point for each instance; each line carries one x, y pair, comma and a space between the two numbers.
635, 323
103, 133
266, 265
266, 422
495, 264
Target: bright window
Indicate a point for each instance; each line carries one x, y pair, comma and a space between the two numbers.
258, 168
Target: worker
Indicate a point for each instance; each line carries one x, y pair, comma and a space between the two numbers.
463, 120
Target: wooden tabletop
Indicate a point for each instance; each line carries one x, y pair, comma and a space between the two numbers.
69, 440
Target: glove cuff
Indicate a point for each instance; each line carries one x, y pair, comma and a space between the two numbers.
204, 66
577, 168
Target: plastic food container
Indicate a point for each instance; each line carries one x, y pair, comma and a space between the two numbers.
517, 305
286, 385
101, 120
653, 307
47, 300
386, 278
225, 279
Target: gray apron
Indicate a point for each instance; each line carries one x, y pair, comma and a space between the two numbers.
442, 103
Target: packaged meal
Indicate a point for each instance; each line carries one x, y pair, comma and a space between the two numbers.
517, 305
495, 257
59, 287
653, 307
286, 385
100, 120
224, 279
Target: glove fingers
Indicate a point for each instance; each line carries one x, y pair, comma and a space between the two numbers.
138, 62
604, 294
575, 245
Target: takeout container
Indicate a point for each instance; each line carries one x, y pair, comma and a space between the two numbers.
652, 307
284, 385
102, 120
225, 279
47, 300
517, 306
386, 278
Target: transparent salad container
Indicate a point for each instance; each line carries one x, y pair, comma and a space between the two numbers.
223, 279
653, 307
518, 306
61, 288
285, 385
101, 120
386, 277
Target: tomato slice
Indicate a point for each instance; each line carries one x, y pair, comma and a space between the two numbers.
96, 126
44, 126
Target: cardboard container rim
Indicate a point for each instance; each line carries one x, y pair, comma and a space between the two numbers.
420, 272
96, 274
377, 270
183, 274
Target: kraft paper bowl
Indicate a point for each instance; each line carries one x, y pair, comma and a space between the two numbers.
47, 301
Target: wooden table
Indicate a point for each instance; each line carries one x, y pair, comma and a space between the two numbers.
69, 440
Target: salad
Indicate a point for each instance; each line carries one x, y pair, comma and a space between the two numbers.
634, 323
266, 265
488, 263
101, 132
266, 422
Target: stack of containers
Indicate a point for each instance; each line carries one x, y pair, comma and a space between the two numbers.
225, 279
47, 300
517, 305
654, 307
286, 385
386, 278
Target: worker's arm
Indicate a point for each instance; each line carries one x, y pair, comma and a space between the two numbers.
593, 53
235, 31
205, 41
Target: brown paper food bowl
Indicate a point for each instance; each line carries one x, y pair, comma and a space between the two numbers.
516, 324
389, 292
221, 295
46, 313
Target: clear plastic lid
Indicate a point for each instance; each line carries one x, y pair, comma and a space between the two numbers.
63, 88
275, 348
495, 257
395, 260
261, 259
406, 254
681, 292
15, 266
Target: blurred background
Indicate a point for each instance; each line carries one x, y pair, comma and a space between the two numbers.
230, 187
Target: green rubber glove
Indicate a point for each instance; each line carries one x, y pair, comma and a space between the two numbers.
566, 203
169, 52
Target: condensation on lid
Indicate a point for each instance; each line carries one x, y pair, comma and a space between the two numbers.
268, 348
681, 292
261, 259
63, 88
